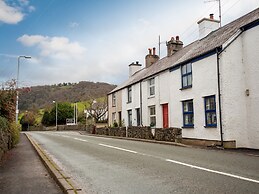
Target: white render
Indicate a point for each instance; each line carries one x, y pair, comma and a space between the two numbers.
240, 73
239, 82
206, 26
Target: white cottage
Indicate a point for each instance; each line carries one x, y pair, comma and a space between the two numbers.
209, 88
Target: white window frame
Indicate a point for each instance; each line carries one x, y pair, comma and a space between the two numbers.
151, 87
152, 116
129, 92
113, 99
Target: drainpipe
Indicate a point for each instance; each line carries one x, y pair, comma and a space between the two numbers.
140, 98
219, 98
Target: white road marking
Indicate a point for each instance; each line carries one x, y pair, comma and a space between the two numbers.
122, 149
213, 171
80, 139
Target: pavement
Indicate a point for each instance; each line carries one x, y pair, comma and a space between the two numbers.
21, 171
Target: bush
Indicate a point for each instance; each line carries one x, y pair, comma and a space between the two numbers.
15, 133
3, 124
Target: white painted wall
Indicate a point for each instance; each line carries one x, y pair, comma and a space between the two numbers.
131, 106
204, 84
240, 70
239, 67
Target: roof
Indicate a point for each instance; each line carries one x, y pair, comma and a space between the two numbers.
196, 49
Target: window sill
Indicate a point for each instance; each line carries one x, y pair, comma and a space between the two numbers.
153, 96
210, 126
188, 127
187, 87
129, 102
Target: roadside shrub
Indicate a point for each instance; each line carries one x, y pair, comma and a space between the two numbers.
15, 133
3, 125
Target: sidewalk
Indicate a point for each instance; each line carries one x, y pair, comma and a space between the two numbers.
22, 171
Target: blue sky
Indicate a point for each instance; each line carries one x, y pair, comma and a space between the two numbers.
96, 40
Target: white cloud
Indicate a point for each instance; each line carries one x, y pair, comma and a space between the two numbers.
10, 15
55, 47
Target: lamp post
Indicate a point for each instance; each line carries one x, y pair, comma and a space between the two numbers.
56, 114
17, 85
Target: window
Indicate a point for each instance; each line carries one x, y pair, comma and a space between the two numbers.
151, 86
113, 118
152, 116
129, 117
188, 113
210, 111
187, 75
113, 99
129, 94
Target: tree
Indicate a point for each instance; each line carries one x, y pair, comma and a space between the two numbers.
8, 100
64, 111
97, 109
28, 119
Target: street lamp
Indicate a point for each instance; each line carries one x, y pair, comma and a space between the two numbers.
17, 92
56, 114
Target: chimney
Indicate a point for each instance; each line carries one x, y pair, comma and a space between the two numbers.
173, 45
151, 57
207, 25
133, 68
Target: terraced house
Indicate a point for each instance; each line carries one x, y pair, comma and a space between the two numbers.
209, 88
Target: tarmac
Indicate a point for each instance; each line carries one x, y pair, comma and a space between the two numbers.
26, 169
22, 171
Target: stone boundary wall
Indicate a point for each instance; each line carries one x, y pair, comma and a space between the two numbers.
60, 128
117, 131
140, 132
168, 134
159, 134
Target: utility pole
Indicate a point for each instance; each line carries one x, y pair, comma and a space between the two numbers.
219, 1
17, 87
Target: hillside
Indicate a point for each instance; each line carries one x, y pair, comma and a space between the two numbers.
42, 96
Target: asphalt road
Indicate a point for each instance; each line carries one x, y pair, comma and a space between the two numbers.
105, 165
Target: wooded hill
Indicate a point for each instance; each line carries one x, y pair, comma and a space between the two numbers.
42, 96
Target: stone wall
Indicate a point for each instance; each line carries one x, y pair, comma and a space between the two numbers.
116, 131
140, 132
168, 134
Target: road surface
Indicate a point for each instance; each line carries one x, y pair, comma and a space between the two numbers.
106, 165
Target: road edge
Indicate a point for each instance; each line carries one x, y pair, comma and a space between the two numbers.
67, 185
138, 139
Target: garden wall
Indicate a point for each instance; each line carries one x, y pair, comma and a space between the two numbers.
159, 134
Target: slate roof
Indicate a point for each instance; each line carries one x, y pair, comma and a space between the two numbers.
198, 48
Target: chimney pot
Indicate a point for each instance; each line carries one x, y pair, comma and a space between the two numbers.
149, 51
154, 51
212, 16
136, 62
177, 38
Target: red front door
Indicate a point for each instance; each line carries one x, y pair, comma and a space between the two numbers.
165, 115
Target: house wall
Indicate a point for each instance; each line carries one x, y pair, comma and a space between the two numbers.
132, 105
204, 74
239, 69
114, 109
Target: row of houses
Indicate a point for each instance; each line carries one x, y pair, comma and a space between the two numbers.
209, 88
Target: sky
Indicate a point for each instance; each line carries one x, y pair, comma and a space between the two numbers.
96, 40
